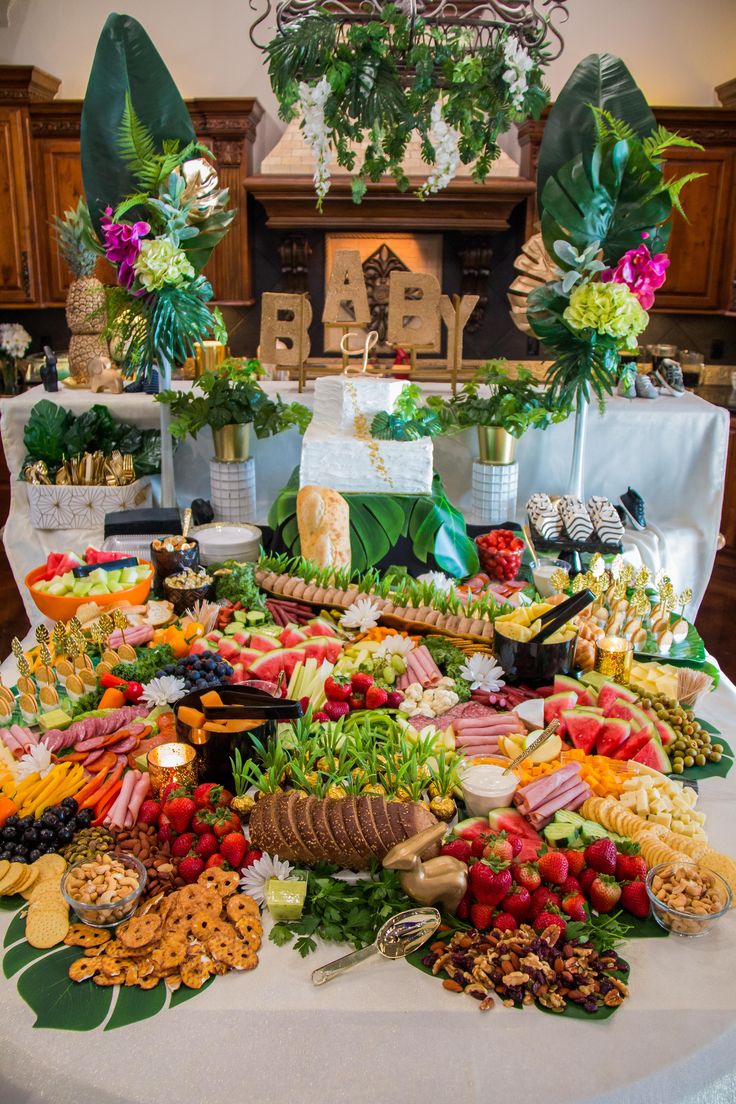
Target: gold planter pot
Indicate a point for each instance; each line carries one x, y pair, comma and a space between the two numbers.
496, 445
232, 442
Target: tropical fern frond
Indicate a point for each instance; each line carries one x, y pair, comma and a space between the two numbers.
299, 52
135, 141
674, 187
660, 140
608, 126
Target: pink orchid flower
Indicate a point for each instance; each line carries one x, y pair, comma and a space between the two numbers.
642, 272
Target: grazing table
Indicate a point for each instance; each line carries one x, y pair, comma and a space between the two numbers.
673, 451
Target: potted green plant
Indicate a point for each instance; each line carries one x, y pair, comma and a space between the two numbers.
233, 404
501, 406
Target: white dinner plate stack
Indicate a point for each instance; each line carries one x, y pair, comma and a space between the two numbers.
224, 540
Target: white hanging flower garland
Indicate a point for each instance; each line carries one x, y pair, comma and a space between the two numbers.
518, 63
312, 99
446, 142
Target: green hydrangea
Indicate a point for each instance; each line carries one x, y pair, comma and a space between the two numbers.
609, 309
160, 262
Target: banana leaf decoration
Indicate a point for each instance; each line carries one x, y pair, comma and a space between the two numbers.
434, 529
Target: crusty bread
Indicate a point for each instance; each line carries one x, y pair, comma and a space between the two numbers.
323, 517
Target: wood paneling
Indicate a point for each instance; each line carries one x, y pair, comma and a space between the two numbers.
728, 516
17, 275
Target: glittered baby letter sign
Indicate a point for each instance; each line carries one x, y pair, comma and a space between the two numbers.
285, 322
414, 310
346, 302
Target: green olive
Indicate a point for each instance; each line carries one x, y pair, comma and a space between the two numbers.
677, 766
700, 760
715, 757
688, 760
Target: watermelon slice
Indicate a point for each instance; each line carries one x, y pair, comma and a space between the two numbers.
511, 821
241, 638
614, 732
582, 728
654, 755
471, 828
611, 692
215, 635
555, 704
632, 746
291, 636
263, 643
269, 666
229, 650
319, 627
632, 713
248, 657
199, 646
321, 648
586, 695
666, 732
97, 556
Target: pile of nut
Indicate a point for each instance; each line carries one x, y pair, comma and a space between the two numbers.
103, 880
524, 966
87, 843
142, 841
687, 888
189, 578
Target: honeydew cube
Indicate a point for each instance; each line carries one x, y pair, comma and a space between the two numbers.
113, 577
82, 587
98, 588
129, 576
56, 587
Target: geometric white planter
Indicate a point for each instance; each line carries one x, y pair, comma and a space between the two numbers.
72, 507
233, 487
495, 488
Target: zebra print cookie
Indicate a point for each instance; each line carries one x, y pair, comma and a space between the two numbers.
605, 519
578, 525
544, 516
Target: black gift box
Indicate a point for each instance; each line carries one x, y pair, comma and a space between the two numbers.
156, 522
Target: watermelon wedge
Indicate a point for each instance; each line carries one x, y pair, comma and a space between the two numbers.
321, 648
586, 695
611, 692
614, 732
654, 755
270, 665
319, 627
632, 746
229, 650
554, 706
511, 821
582, 728
248, 657
260, 642
291, 636
471, 828
241, 638
631, 713
666, 732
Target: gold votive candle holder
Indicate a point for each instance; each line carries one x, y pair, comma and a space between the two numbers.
613, 658
175, 762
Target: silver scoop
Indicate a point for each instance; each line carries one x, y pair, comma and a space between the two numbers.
398, 937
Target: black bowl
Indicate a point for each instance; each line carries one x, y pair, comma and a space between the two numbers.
214, 749
171, 563
531, 663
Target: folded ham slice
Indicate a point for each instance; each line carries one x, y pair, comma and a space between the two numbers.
574, 798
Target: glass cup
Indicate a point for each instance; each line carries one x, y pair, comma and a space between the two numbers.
541, 573
692, 367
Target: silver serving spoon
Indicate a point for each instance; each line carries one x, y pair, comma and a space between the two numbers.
398, 937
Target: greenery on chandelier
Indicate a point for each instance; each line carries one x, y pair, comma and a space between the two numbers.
493, 397
409, 421
232, 396
382, 80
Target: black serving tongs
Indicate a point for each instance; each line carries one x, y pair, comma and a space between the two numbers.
284, 710
558, 616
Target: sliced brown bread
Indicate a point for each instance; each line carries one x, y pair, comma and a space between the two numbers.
305, 829
329, 850
285, 813
368, 826
349, 857
354, 828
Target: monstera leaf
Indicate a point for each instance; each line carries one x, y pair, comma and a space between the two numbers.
126, 64
612, 196
602, 81
59, 1003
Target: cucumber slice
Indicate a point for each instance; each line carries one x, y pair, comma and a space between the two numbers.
566, 816
561, 834
253, 617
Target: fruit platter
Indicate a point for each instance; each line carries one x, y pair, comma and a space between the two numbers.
309, 753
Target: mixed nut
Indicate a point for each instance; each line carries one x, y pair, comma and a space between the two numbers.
101, 881
686, 888
142, 842
189, 579
173, 544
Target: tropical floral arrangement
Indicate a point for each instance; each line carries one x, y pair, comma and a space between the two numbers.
493, 397
14, 343
232, 396
408, 421
380, 81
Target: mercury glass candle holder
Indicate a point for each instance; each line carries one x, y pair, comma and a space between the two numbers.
175, 762
613, 658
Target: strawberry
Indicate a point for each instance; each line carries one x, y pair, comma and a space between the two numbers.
490, 881
337, 688
305, 703
517, 902
574, 906
149, 812
575, 861
553, 866
478, 845
604, 893
499, 848
207, 795
459, 849
463, 909
545, 918
320, 717
505, 922
541, 899
190, 868
394, 699
360, 681
356, 701
233, 848
168, 790
226, 822
214, 860
631, 868
206, 845
516, 844
586, 879
202, 821
481, 916
570, 885
527, 875
602, 855
180, 811
336, 709
182, 845
375, 697
635, 900
251, 857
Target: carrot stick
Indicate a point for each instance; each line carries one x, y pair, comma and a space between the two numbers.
89, 787
106, 786
106, 803
105, 762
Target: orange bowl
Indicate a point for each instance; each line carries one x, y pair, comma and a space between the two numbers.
60, 607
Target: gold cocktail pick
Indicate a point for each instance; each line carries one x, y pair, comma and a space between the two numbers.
120, 621
106, 626
17, 650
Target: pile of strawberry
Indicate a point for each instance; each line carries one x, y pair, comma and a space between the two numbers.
200, 828
559, 887
345, 693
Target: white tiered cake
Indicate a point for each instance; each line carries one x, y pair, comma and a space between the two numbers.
339, 452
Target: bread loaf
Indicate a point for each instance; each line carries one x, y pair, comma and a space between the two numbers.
323, 517
351, 832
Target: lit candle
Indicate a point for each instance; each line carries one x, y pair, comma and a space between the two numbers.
613, 658
175, 763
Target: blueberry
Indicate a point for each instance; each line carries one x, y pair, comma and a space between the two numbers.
65, 815
169, 669
10, 833
30, 837
45, 835
49, 849
26, 822
48, 820
12, 821
65, 835
84, 818
33, 855
70, 803
54, 810
6, 855
20, 850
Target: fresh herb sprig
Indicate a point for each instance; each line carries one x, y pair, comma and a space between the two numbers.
235, 582
149, 661
341, 913
605, 932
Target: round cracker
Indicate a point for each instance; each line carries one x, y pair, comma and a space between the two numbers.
50, 866
13, 875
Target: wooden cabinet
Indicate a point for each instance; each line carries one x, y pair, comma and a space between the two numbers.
41, 177
703, 248
728, 515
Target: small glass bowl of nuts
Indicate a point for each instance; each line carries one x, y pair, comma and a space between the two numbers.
687, 899
104, 890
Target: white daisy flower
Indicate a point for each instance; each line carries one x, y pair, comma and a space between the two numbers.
256, 877
394, 645
164, 690
483, 673
37, 759
363, 614
441, 582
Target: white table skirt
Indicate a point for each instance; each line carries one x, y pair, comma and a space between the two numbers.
388, 1033
673, 451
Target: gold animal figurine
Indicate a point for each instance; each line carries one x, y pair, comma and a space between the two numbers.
103, 377
438, 880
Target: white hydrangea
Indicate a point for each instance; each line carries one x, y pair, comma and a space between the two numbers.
446, 142
518, 63
14, 339
312, 99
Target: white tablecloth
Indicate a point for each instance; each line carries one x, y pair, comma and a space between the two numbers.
673, 451
388, 1033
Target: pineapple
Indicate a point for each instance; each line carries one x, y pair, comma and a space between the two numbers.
86, 295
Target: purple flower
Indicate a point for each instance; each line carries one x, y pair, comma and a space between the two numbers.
642, 273
122, 245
